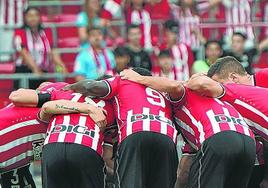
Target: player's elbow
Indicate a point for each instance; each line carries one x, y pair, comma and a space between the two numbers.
199, 84
46, 108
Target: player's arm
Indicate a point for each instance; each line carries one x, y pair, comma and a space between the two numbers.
205, 86
89, 88
98, 115
24, 97
174, 88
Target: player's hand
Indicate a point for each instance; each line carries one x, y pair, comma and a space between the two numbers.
98, 115
197, 75
264, 183
129, 74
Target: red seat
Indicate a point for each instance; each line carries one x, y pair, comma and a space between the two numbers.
66, 18
69, 59
6, 86
67, 32
75, 9
72, 42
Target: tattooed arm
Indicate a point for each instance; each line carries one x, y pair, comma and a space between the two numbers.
50, 108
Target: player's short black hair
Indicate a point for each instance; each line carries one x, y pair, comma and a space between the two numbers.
225, 65
243, 35
132, 26
172, 26
121, 51
164, 53
142, 71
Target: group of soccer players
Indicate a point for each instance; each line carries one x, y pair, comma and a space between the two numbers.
126, 126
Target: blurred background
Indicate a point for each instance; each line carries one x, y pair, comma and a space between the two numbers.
61, 40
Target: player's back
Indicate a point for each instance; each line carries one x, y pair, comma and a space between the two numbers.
201, 117
248, 100
140, 108
22, 136
78, 128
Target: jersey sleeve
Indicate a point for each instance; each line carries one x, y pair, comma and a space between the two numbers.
113, 85
176, 104
228, 93
261, 78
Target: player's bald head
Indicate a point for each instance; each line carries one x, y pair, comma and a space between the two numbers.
223, 67
142, 71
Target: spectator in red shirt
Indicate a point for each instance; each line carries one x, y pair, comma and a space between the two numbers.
11, 15
34, 45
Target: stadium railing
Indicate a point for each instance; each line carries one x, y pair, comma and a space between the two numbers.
25, 77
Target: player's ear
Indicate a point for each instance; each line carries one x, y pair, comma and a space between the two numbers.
233, 77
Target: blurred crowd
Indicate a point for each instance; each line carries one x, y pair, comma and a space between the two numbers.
173, 38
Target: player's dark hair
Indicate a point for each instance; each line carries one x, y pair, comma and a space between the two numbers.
223, 66
132, 26
121, 51
142, 71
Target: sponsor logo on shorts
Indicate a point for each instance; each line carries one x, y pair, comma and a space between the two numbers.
221, 118
37, 149
140, 117
77, 129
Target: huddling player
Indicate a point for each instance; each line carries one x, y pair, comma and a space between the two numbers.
147, 155
72, 154
224, 145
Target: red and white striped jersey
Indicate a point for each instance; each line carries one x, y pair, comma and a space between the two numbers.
239, 12
251, 103
261, 78
201, 117
140, 108
78, 128
140, 17
22, 134
182, 60
11, 12
38, 45
143, 19
22, 137
188, 22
